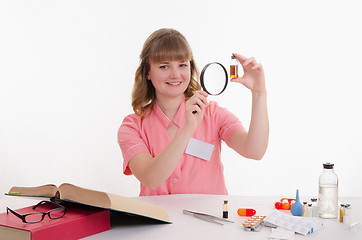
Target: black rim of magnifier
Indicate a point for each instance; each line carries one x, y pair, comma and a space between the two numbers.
202, 79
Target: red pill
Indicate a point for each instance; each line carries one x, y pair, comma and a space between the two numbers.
278, 205
246, 212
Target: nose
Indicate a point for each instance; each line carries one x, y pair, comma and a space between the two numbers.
175, 72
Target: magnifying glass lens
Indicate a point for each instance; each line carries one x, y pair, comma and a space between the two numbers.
214, 78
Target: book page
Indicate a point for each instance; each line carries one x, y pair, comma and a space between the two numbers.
83, 195
13, 233
48, 190
138, 207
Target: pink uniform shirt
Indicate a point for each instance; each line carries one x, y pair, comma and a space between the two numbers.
192, 175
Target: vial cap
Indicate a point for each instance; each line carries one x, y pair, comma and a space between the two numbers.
225, 201
313, 199
233, 57
328, 165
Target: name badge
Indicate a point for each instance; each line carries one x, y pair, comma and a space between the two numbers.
199, 149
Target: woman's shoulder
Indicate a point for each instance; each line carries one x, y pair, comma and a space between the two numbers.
131, 120
213, 107
215, 111
134, 120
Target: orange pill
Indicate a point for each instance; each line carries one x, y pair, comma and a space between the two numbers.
286, 206
248, 212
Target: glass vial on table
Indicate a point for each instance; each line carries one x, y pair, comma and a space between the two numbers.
328, 192
305, 209
347, 214
314, 207
310, 210
225, 211
341, 213
234, 67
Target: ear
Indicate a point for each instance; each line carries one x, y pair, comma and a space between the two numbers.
148, 76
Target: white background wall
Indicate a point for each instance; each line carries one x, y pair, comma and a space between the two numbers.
67, 68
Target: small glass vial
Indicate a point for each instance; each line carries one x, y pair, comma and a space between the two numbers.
341, 213
310, 210
225, 210
234, 67
305, 209
347, 214
328, 192
314, 207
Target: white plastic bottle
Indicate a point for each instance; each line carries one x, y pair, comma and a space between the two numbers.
328, 192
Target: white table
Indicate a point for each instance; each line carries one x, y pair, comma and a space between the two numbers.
187, 227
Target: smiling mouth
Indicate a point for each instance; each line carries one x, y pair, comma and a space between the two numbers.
173, 83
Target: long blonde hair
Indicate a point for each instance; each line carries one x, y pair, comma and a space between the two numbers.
163, 44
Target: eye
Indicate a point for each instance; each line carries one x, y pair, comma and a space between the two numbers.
164, 66
183, 65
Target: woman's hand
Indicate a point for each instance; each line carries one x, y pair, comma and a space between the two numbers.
253, 77
195, 108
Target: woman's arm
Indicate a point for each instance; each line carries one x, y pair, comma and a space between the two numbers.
153, 171
253, 144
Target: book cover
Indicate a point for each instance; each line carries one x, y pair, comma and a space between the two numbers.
72, 193
78, 222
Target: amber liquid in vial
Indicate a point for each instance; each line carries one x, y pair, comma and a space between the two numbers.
234, 71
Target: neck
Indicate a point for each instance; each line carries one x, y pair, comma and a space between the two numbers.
169, 106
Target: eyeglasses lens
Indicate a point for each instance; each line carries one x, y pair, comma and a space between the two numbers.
34, 217
57, 213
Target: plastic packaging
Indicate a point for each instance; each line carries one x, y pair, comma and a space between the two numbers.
254, 223
328, 192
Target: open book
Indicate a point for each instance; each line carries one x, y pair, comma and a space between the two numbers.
71, 193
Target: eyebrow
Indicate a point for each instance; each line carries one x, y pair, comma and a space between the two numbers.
167, 62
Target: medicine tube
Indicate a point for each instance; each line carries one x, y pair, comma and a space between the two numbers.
225, 211
234, 67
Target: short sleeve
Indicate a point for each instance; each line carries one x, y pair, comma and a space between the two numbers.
227, 122
130, 140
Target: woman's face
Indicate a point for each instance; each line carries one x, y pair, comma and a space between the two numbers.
170, 78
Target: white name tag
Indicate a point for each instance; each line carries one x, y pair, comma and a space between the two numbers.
199, 149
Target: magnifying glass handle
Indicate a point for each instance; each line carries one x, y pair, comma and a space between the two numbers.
194, 112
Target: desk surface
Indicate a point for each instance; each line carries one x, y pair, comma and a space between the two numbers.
187, 227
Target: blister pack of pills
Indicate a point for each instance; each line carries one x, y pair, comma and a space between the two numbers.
254, 223
301, 225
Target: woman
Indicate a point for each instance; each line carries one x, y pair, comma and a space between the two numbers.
172, 142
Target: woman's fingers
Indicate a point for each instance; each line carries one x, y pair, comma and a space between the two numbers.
198, 102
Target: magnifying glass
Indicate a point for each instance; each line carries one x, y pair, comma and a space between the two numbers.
215, 77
